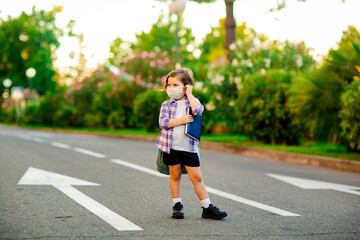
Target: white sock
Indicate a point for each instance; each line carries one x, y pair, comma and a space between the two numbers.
205, 202
176, 200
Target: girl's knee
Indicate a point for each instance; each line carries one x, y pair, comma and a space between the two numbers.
195, 178
175, 172
175, 175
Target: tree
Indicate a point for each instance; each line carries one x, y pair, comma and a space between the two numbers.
315, 97
151, 56
30, 40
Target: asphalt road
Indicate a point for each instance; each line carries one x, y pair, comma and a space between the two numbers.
69, 186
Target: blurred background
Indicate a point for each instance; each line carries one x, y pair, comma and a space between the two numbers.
280, 74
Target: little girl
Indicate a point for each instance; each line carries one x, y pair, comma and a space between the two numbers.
178, 148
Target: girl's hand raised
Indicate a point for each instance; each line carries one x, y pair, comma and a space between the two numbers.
188, 90
187, 118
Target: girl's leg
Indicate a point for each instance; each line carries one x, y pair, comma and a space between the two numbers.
209, 210
198, 184
175, 177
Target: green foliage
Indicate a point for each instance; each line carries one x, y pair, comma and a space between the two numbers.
315, 97
116, 119
350, 115
119, 49
213, 46
66, 116
29, 41
252, 53
261, 108
162, 36
101, 100
41, 111
147, 108
151, 57
101, 96
94, 120
222, 93
30, 114
206, 115
7, 115
256, 53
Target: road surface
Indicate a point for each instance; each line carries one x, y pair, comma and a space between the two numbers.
69, 186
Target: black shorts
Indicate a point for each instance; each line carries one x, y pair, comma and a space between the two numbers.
180, 157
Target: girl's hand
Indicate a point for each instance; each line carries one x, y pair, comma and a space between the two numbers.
187, 118
188, 90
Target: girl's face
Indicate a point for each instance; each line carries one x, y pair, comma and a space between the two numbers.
174, 82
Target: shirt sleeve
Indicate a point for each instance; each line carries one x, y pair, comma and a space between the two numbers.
164, 117
199, 109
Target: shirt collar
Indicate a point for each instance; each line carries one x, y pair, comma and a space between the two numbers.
173, 100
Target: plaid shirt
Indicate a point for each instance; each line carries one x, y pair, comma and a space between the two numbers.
165, 139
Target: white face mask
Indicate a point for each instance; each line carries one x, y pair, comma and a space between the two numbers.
175, 92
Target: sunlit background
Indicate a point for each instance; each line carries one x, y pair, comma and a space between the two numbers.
319, 22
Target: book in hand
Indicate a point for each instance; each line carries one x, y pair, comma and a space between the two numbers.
193, 129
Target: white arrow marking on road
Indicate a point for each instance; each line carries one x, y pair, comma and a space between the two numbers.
35, 176
312, 184
91, 153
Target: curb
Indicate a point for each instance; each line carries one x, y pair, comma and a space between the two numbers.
312, 160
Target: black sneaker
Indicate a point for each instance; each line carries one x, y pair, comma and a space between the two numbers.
178, 211
213, 212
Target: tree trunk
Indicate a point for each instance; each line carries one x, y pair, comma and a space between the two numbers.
229, 23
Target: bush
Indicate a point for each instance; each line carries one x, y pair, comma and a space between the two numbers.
42, 110
204, 99
7, 114
350, 116
315, 97
30, 115
94, 120
147, 109
116, 120
222, 92
66, 116
262, 111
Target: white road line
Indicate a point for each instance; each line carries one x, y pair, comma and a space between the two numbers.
60, 145
214, 191
251, 203
91, 153
137, 167
36, 139
26, 137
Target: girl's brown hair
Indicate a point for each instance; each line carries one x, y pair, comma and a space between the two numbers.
185, 75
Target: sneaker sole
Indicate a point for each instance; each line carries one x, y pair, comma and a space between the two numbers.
178, 217
216, 218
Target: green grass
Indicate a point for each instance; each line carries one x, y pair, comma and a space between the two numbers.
312, 148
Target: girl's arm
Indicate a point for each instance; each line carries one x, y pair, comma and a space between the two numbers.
196, 107
180, 121
165, 122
